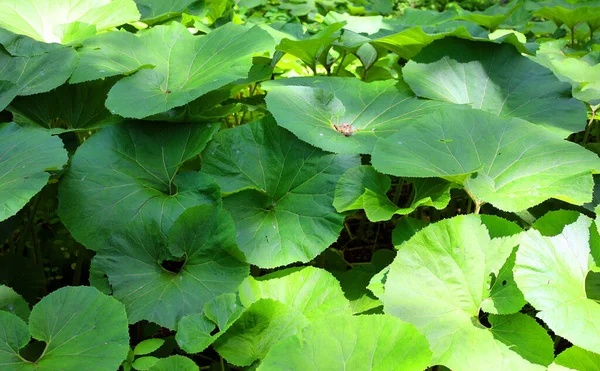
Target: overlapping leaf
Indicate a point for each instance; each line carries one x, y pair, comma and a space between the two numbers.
364, 188
159, 10
551, 272
570, 13
136, 178
343, 115
13, 303
497, 79
62, 21
174, 66
375, 342
282, 191
77, 324
25, 156
509, 163
576, 358
202, 240
438, 282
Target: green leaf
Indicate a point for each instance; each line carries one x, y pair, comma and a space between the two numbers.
202, 240
309, 50
497, 79
160, 10
176, 362
505, 297
491, 17
511, 164
406, 228
26, 75
77, 324
374, 342
313, 292
148, 346
551, 271
136, 178
25, 156
224, 309
144, 363
78, 107
176, 67
570, 13
438, 282
524, 336
61, 21
576, 358
312, 108
364, 188
13, 303
261, 326
282, 205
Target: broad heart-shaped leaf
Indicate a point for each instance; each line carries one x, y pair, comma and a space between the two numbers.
261, 326
282, 205
176, 362
438, 282
136, 178
497, 79
374, 342
364, 188
509, 163
313, 292
67, 108
13, 303
25, 156
158, 10
202, 239
176, 67
78, 324
570, 13
312, 108
551, 272
576, 358
63, 21
26, 75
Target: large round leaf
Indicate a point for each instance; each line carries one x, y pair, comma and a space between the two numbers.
177, 67
377, 342
78, 324
509, 163
32, 74
62, 21
130, 172
343, 115
551, 273
312, 291
202, 240
25, 155
284, 188
497, 79
438, 282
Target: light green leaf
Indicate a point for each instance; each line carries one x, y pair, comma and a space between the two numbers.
511, 164
497, 79
438, 282
202, 240
144, 363
160, 10
176, 67
282, 205
224, 309
261, 326
505, 297
136, 178
551, 271
148, 346
374, 342
576, 358
491, 17
77, 324
62, 21
313, 292
364, 188
570, 13
13, 303
524, 336
343, 115
176, 362
26, 75
25, 156
78, 107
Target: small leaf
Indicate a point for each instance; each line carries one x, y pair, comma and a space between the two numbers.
148, 346
176, 362
13, 303
144, 363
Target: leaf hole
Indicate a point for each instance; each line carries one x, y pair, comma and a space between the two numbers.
504, 283
173, 266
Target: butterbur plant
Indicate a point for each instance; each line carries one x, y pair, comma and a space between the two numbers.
307, 185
